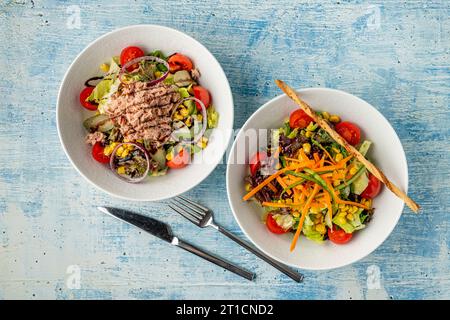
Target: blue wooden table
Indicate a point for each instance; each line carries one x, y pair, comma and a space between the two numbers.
54, 244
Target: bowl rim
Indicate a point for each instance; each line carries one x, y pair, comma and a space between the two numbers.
261, 109
76, 61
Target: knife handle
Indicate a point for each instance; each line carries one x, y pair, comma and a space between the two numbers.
218, 261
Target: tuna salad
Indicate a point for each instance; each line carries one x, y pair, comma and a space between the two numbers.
151, 113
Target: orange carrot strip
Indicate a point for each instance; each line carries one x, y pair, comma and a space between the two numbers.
264, 183
272, 187
283, 184
303, 216
316, 157
356, 204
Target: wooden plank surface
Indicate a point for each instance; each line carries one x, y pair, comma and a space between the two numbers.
395, 55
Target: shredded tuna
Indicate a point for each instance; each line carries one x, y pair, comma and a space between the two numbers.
144, 112
95, 137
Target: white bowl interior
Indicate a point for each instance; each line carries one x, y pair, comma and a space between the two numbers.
70, 114
386, 152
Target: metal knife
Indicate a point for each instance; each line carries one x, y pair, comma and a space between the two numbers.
163, 231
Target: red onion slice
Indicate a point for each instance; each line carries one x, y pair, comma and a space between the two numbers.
114, 168
204, 122
123, 70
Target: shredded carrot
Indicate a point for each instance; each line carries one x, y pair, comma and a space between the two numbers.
328, 203
283, 184
329, 156
303, 216
264, 183
316, 157
281, 205
272, 187
356, 204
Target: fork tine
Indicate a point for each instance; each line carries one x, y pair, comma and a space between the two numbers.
194, 212
186, 215
193, 203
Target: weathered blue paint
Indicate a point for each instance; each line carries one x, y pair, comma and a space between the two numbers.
393, 54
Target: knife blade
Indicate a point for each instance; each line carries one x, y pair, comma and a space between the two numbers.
164, 232
155, 227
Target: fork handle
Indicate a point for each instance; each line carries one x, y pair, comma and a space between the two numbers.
298, 277
216, 260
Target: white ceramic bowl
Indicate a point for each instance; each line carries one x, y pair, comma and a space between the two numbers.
70, 114
387, 152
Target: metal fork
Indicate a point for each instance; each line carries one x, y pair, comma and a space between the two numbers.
203, 217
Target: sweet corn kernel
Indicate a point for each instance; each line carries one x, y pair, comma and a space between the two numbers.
341, 205
353, 209
342, 213
184, 112
336, 183
320, 228
350, 216
315, 210
202, 142
140, 140
307, 147
325, 115
296, 214
338, 157
104, 67
335, 118
188, 122
199, 117
169, 156
121, 170
125, 153
119, 151
310, 127
308, 134
344, 209
177, 116
158, 74
353, 170
248, 187
288, 200
341, 220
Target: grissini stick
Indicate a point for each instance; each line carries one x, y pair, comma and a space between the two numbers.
350, 149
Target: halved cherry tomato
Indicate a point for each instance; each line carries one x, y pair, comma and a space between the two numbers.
203, 95
255, 162
349, 131
339, 236
299, 119
84, 94
179, 160
179, 62
273, 226
130, 53
372, 189
97, 153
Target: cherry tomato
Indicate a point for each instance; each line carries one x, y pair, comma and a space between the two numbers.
349, 131
273, 226
372, 189
84, 94
179, 62
180, 160
299, 119
130, 53
255, 162
339, 236
97, 153
203, 95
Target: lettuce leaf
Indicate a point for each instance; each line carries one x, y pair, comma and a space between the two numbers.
213, 117
310, 232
